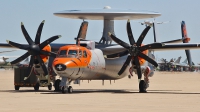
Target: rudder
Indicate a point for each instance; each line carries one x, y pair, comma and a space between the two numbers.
186, 39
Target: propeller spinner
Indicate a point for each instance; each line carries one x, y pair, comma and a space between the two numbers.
134, 50
34, 48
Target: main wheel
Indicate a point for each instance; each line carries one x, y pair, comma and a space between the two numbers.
129, 76
70, 89
17, 87
50, 86
142, 86
63, 89
36, 87
57, 85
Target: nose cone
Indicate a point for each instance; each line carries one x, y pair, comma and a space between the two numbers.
60, 67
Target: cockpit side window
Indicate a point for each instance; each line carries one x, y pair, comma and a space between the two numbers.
80, 53
72, 52
63, 53
84, 54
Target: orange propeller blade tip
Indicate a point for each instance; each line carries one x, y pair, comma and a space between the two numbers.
43, 21
25, 78
139, 80
8, 41
59, 36
22, 23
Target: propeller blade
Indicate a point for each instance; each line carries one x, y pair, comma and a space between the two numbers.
48, 53
26, 35
42, 65
142, 36
148, 59
20, 46
38, 34
117, 55
48, 41
30, 68
154, 31
129, 33
120, 42
151, 46
174, 41
20, 58
137, 65
125, 65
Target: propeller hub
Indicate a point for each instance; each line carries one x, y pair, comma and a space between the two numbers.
134, 50
34, 50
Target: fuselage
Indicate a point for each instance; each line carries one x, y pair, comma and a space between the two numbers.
76, 62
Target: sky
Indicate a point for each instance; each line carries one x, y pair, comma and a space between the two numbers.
31, 13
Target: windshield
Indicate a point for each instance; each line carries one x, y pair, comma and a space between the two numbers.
62, 53
72, 53
69, 54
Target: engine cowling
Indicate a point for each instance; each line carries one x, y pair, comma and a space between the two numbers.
44, 57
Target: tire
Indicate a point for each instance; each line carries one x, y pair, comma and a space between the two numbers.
63, 90
70, 89
142, 86
50, 86
17, 87
57, 84
36, 87
129, 76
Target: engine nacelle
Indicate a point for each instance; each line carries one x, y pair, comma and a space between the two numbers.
44, 57
141, 60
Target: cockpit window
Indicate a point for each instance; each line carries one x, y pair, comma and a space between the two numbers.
63, 53
84, 54
69, 53
80, 53
72, 52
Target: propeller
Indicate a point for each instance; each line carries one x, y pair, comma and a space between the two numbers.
134, 49
34, 49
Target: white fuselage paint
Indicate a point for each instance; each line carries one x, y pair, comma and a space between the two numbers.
98, 68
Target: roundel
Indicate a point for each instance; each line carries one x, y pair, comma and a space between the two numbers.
60, 67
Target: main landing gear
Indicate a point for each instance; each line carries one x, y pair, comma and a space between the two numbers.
143, 86
63, 85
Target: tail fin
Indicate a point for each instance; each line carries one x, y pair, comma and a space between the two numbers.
172, 60
178, 60
5, 58
193, 63
83, 30
185, 61
186, 39
27, 59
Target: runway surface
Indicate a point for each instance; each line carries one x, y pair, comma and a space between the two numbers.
168, 92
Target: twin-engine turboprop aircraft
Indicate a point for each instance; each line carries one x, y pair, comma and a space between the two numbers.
89, 60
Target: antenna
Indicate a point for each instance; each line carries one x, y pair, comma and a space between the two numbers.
152, 23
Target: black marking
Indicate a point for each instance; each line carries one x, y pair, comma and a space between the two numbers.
72, 72
74, 62
78, 71
79, 59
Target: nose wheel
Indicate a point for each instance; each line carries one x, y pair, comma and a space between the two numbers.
69, 89
142, 86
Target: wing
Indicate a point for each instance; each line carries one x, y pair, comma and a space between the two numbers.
7, 51
166, 47
54, 46
178, 46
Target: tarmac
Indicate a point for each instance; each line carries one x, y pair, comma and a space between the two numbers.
168, 92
